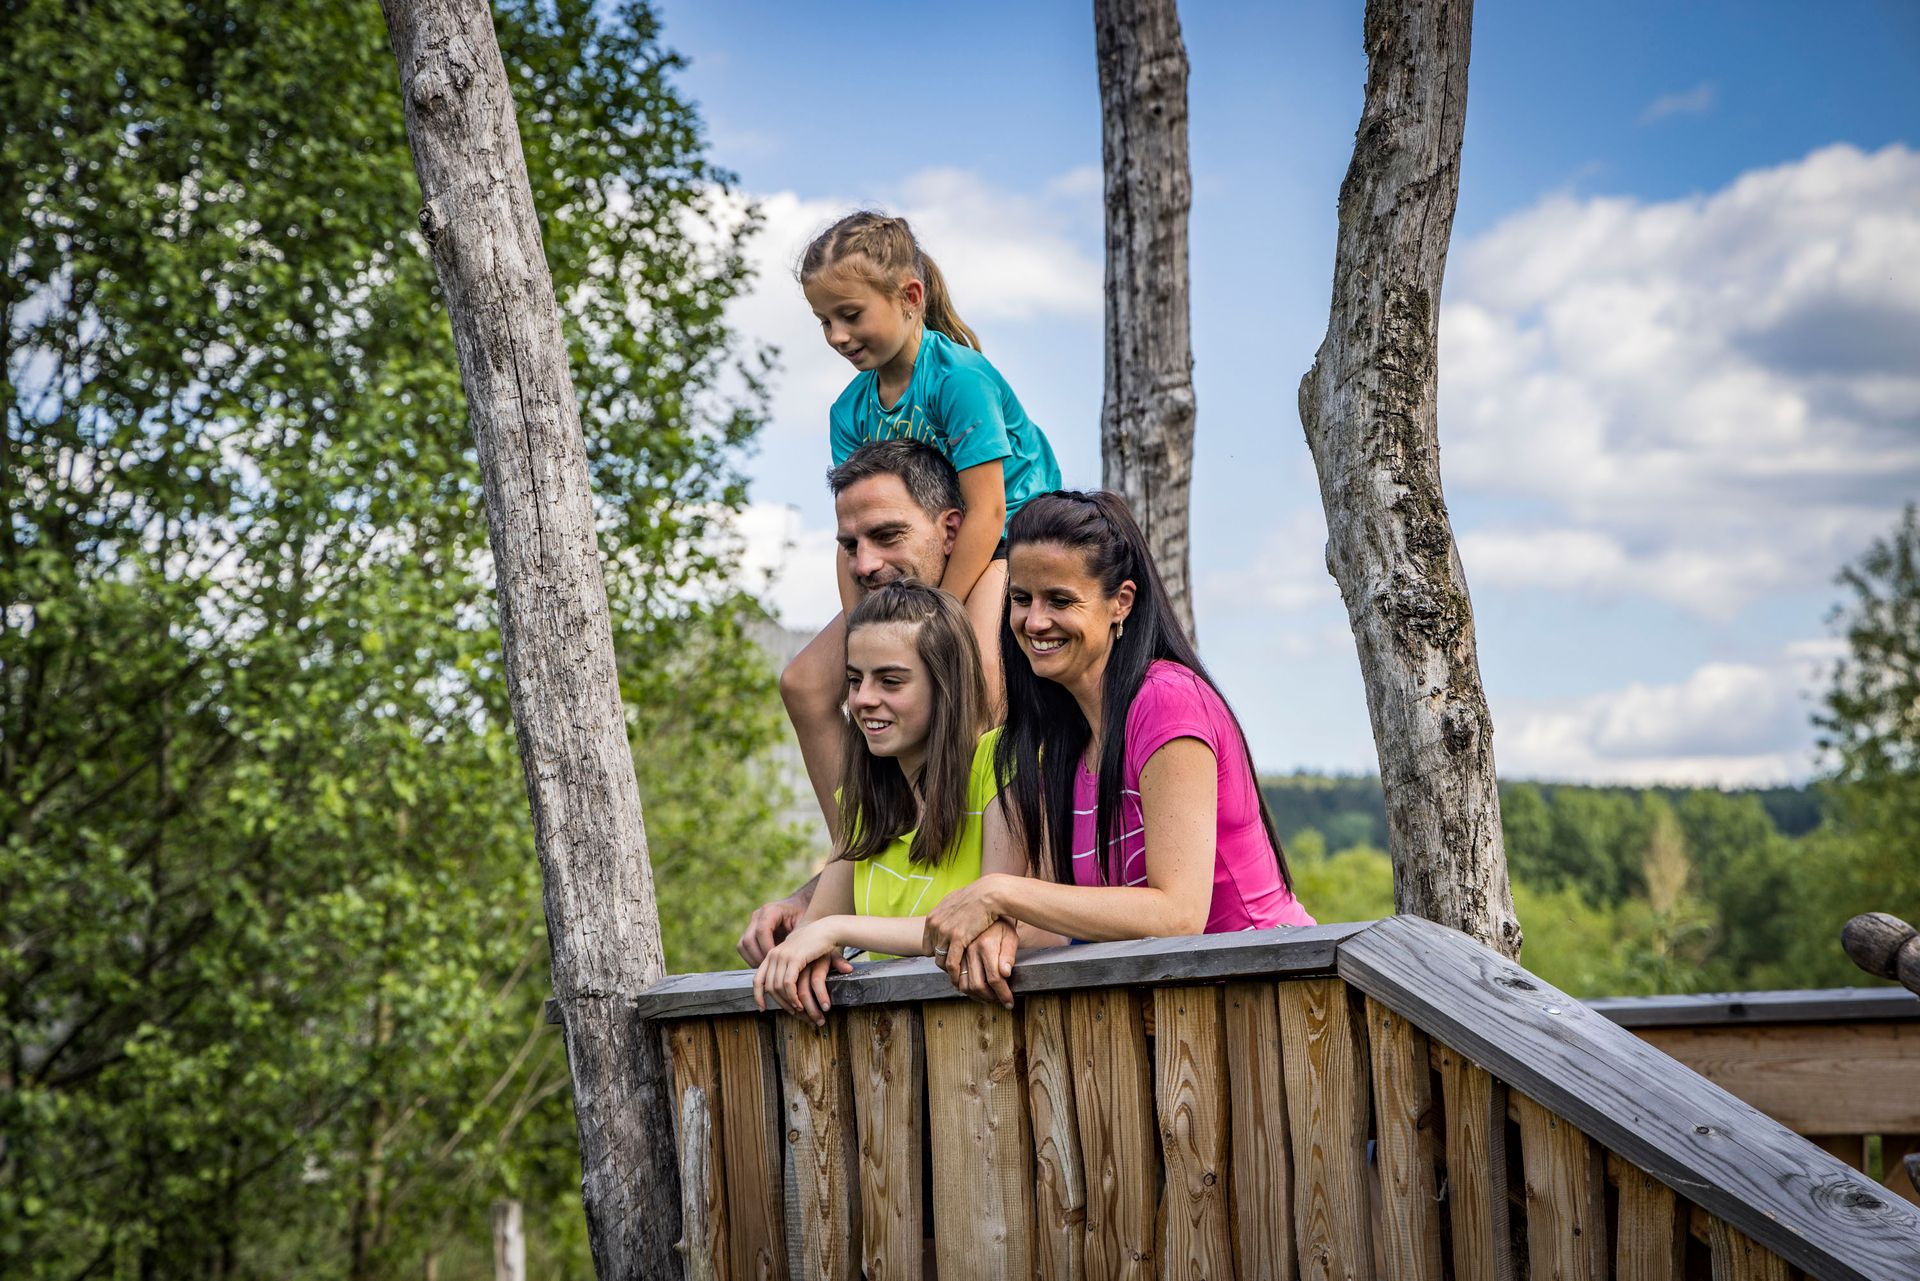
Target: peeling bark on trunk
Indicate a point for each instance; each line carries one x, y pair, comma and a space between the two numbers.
556, 636
1146, 417
1368, 405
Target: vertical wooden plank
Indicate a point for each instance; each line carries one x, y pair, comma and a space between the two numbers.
1851, 1148
1113, 1095
889, 1059
1737, 1258
1894, 1150
1325, 1051
1476, 1147
703, 1197
750, 1147
820, 1135
982, 1153
1566, 1192
1405, 1121
1262, 1157
1191, 1091
1650, 1238
1060, 1185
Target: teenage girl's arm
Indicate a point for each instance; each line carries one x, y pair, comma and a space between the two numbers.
989, 957
795, 972
984, 487
1179, 799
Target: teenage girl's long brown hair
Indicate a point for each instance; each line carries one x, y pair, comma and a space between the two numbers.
877, 802
884, 253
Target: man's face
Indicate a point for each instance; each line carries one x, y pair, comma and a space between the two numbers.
887, 537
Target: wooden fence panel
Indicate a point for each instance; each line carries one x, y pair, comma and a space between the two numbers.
1060, 1185
1566, 1197
982, 1152
888, 1059
697, 1109
1262, 1149
1476, 1145
1405, 1121
820, 1135
1650, 1237
1191, 1093
751, 1150
1325, 1051
1737, 1257
1113, 1095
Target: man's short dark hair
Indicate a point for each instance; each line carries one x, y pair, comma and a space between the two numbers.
930, 479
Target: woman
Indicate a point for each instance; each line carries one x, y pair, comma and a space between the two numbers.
918, 775
1124, 772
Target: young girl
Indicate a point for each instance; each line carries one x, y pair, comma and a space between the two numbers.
883, 305
918, 780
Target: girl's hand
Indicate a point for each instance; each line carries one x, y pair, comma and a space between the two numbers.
989, 963
795, 973
959, 919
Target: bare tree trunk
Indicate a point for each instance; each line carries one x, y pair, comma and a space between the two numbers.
509, 1242
1368, 405
556, 636
1146, 418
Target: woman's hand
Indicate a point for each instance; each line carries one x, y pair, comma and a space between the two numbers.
959, 919
795, 972
988, 962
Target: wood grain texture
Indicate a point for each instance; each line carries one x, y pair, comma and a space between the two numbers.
1113, 1096
1762, 1178
1650, 1233
982, 1151
1565, 1197
1476, 1149
1190, 1089
1277, 953
1405, 1120
1326, 1073
817, 1075
1736, 1257
1814, 1078
751, 1152
888, 1059
1262, 1147
695, 1065
1060, 1184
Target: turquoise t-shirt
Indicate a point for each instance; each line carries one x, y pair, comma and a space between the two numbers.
959, 404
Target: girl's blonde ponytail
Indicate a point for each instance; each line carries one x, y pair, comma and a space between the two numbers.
891, 255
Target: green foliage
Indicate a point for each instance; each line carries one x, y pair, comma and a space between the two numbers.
271, 959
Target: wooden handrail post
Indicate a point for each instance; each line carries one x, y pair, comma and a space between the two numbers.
1884, 946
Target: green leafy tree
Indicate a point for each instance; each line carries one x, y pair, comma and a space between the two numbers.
271, 955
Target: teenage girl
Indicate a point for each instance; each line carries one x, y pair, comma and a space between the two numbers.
914, 795
883, 305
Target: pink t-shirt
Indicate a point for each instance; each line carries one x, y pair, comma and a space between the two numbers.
1248, 893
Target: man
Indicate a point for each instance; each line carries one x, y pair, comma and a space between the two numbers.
897, 508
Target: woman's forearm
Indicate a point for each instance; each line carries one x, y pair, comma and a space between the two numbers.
1093, 913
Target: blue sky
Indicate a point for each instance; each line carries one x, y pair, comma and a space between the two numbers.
1680, 339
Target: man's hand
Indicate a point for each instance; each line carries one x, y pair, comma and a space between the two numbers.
772, 922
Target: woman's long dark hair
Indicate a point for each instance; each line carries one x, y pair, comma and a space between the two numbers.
1045, 732
877, 804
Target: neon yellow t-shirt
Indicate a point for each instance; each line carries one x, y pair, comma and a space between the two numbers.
891, 884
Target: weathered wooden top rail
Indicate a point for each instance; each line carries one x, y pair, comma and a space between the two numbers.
1816, 1005
1234, 1138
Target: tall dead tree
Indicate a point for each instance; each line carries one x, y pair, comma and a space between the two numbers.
1146, 416
1369, 408
602, 925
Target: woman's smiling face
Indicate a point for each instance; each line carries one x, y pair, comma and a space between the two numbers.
1061, 616
889, 692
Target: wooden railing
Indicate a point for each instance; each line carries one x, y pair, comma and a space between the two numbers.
1840, 1067
1340, 1101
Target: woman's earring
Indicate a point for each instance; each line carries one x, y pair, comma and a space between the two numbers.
1120, 629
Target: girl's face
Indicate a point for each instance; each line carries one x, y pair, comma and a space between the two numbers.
1060, 615
889, 692
868, 327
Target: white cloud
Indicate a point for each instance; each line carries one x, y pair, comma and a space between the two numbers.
1007, 256
788, 564
1703, 400
1726, 724
1692, 102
